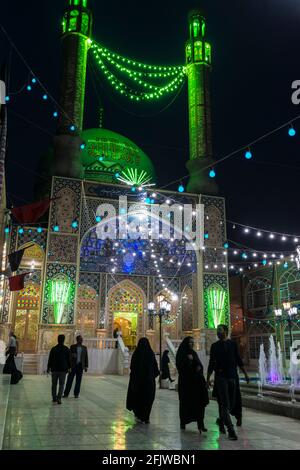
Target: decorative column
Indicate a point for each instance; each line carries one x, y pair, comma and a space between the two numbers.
198, 66
76, 33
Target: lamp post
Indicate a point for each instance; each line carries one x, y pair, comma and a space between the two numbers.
291, 312
164, 309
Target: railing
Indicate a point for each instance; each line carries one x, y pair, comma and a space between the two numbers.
172, 353
100, 343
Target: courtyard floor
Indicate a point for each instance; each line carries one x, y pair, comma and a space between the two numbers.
99, 420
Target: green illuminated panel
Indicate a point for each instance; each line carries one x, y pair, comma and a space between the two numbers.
60, 295
216, 298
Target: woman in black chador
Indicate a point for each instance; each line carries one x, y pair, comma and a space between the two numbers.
10, 365
192, 389
165, 371
142, 386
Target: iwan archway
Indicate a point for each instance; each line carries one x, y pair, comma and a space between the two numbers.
126, 307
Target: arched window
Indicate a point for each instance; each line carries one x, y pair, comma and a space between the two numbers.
259, 293
290, 285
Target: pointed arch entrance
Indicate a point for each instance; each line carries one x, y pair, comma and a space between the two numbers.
27, 317
26, 304
126, 304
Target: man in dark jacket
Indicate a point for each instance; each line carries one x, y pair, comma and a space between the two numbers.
79, 363
224, 360
59, 364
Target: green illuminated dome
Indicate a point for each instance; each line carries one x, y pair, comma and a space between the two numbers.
107, 153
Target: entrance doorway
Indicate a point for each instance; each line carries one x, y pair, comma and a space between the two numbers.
27, 318
126, 323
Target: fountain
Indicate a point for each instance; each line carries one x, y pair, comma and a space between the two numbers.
262, 366
293, 370
273, 362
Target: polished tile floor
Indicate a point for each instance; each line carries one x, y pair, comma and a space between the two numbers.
99, 420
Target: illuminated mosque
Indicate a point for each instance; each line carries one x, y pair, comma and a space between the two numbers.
79, 282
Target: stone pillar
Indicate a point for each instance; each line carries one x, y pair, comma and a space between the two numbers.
210, 338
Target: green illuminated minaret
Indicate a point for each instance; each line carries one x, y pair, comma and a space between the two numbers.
76, 33
198, 65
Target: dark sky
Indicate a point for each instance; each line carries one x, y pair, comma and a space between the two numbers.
255, 59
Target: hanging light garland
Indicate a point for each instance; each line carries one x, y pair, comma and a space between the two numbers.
141, 75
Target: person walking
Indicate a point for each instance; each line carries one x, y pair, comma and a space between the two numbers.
236, 410
79, 363
142, 385
165, 370
59, 364
10, 365
192, 388
224, 360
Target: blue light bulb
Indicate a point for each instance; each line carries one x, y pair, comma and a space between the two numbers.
55, 114
226, 245
72, 128
45, 97
21, 230
98, 218
7, 98
292, 132
56, 228
133, 189
212, 173
6, 230
181, 188
264, 262
285, 265
82, 146
101, 159
39, 230
33, 80
148, 200
117, 175
29, 88
74, 224
206, 236
248, 155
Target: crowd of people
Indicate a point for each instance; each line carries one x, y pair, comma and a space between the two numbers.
193, 388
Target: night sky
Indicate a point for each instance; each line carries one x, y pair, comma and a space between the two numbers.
255, 59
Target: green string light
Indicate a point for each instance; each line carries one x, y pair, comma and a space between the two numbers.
141, 90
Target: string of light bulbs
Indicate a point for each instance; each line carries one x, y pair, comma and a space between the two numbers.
139, 73
33, 81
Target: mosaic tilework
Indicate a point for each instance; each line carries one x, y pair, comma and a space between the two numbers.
90, 279
62, 248
215, 207
140, 281
66, 208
